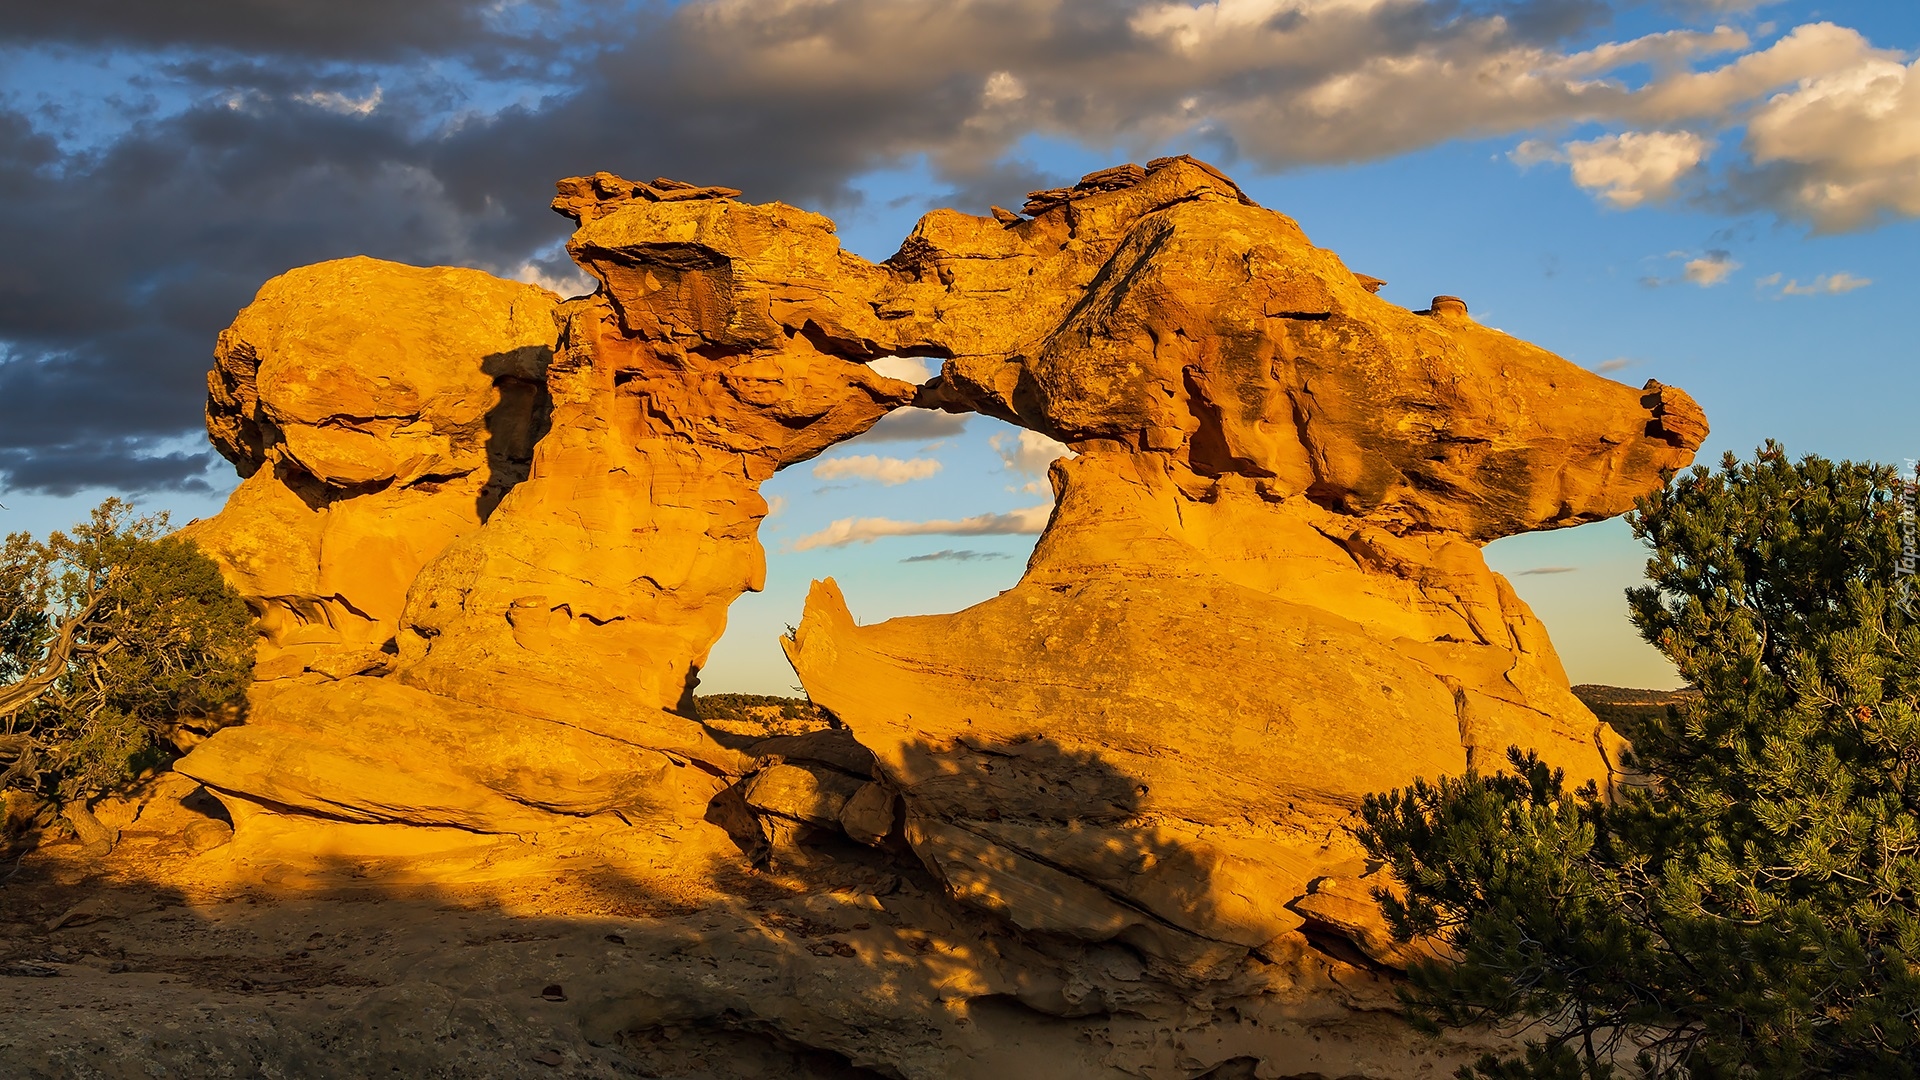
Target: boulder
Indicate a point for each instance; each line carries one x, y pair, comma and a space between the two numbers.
377, 412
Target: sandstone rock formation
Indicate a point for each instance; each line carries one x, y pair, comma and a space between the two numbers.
709, 358
377, 412
720, 347
1260, 595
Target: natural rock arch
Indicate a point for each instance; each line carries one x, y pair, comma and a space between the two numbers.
1260, 594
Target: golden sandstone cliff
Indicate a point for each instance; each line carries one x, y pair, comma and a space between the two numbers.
492, 536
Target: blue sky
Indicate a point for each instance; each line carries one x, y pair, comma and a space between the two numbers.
1718, 194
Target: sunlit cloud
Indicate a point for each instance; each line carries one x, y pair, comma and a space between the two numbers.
911, 369
1028, 451
1624, 170
336, 102
1710, 269
889, 471
1824, 285
1029, 521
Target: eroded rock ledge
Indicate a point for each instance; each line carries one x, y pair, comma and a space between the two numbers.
492, 536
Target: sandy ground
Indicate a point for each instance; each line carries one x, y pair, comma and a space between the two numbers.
485, 958
608, 948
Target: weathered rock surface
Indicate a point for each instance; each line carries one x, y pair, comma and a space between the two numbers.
717, 350
377, 411
1260, 595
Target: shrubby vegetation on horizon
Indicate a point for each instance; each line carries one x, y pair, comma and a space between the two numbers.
109, 634
1751, 905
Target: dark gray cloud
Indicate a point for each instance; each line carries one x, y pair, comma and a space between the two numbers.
950, 555
915, 425
123, 464
118, 268
357, 28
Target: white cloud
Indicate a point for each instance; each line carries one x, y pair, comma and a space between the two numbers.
865, 530
1002, 88
1720, 93
1028, 452
1705, 269
1618, 363
911, 369
884, 470
1842, 150
1533, 152
1547, 570
569, 282
1710, 269
1824, 285
1634, 167
775, 505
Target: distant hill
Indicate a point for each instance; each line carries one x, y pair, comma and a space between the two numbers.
1626, 709
760, 714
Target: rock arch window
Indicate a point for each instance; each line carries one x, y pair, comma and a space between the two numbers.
929, 512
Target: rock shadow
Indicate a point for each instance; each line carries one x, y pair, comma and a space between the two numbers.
1052, 842
517, 422
876, 938
129, 966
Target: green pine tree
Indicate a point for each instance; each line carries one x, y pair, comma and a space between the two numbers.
1750, 906
109, 633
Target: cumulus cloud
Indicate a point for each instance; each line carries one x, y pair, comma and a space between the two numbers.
1705, 269
1842, 150
913, 369
549, 274
950, 555
1628, 169
1028, 451
1710, 269
1832, 127
1824, 285
889, 471
865, 530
